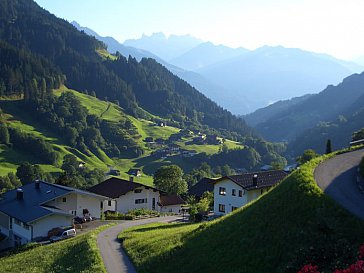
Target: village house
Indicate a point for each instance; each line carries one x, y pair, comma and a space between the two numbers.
235, 191
213, 140
171, 203
28, 213
127, 195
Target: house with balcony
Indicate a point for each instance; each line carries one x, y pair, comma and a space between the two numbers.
29, 212
126, 195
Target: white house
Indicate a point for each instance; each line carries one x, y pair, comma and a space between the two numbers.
28, 213
127, 195
171, 203
235, 191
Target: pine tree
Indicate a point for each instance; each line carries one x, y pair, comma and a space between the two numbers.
328, 147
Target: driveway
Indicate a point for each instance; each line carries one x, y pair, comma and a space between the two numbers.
337, 177
113, 255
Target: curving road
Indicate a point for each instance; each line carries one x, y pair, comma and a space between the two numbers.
113, 255
337, 177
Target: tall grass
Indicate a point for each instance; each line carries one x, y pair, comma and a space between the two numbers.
293, 224
79, 254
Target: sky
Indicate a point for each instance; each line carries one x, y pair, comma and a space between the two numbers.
325, 26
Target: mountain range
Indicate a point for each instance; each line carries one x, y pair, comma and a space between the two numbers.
309, 121
166, 48
238, 73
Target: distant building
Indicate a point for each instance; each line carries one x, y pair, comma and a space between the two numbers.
135, 172
114, 172
213, 140
235, 191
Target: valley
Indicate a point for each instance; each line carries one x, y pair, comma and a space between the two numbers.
115, 119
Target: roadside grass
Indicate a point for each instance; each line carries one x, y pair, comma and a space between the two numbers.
79, 254
293, 224
158, 241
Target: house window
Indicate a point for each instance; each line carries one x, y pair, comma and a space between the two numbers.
138, 191
233, 208
16, 221
221, 208
222, 191
64, 199
233, 192
101, 205
26, 226
109, 203
140, 201
240, 193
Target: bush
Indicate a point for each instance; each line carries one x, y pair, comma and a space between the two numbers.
117, 216
142, 212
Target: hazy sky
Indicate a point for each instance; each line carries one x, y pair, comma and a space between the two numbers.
329, 26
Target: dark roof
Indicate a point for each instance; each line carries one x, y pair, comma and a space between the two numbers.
265, 179
116, 187
205, 184
169, 200
32, 207
29, 208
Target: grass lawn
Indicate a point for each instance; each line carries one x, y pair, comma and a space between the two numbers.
103, 109
79, 254
293, 224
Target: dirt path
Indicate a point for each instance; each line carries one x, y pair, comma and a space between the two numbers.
113, 255
337, 177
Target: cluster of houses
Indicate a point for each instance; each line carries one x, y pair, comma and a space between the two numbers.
30, 212
172, 148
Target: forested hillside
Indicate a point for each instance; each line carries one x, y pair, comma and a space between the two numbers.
116, 118
323, 107
308, 122
24, 25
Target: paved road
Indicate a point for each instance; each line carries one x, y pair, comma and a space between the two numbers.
113, 255
337, 178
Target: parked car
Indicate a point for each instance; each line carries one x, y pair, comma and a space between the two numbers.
64, 235
79, 220
90, 218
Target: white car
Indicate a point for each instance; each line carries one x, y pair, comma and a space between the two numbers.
64, 235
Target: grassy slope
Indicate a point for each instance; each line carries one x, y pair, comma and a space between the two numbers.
10, 158
79, 254
112, 112
265, 236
